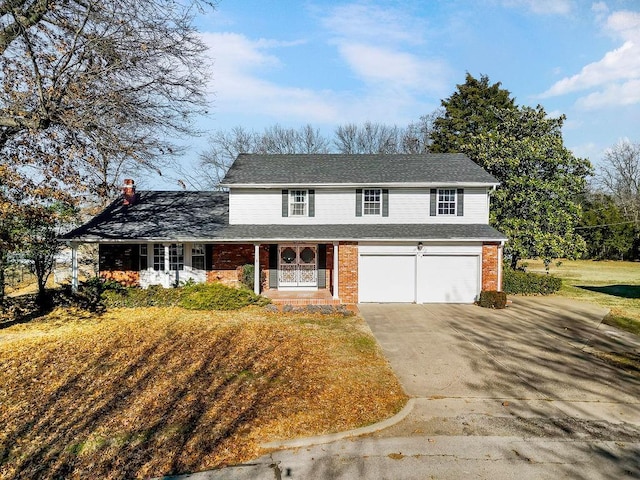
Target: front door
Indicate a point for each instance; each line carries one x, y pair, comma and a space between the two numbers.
297, 266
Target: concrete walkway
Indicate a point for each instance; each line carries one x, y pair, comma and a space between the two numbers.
526, 392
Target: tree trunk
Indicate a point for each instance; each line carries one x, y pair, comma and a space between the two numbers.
3, 266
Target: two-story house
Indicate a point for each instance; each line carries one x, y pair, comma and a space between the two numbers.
362, 228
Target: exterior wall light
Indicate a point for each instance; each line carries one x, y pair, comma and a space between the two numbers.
420, 246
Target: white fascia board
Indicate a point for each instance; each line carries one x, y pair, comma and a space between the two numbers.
363, 185
285, 240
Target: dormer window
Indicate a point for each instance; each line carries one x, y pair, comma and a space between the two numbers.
298, 203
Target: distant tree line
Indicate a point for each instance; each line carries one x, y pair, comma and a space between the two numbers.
611, 206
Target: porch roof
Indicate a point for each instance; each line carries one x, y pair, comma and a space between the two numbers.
204, 217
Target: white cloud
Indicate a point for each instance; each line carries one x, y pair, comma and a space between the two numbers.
543, 7
240, 87
385, 47
616, 76
622, 63
237, 84
395, 68
364, 22
627, 93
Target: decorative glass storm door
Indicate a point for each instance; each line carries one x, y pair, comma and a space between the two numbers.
297, 266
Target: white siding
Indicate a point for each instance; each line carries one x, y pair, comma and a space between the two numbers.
338, 206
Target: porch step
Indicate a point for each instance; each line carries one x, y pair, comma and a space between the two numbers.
299, 298
304, 301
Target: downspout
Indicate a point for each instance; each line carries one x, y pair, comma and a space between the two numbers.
500, 254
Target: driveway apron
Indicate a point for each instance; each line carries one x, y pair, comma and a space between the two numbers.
536, 354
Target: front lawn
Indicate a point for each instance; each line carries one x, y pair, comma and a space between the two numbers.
611, 284
147, 392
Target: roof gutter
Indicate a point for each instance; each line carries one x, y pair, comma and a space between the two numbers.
284, 240
354, 185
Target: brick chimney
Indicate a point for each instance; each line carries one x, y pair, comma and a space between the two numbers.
128, 192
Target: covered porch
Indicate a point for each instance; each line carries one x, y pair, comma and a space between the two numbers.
294, 273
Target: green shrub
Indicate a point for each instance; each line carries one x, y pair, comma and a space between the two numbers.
90, 294
492, 299
247, 275
215, 296
154, 296
194, 296
526, 283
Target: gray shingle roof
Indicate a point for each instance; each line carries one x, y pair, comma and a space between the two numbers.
204, 216
315, 169
159, 216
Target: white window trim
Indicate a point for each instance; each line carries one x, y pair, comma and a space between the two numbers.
176, 253
202, 253
158, 258
293, 203
378, 202
439, 202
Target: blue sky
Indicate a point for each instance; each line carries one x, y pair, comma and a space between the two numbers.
328, 63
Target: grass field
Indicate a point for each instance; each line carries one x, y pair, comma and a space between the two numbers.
611, 284
137, 393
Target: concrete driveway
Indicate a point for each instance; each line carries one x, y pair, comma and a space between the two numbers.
532, 391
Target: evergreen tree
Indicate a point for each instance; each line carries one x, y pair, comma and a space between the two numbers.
536, 204
471, 110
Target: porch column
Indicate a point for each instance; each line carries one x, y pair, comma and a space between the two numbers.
256, 268
74, 267
166, 257
335, 270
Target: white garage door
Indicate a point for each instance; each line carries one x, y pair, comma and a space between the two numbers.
448, 278
387, 278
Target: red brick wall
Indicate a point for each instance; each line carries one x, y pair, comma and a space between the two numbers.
128, 278
490, 265
119, 263
227, 262
348, 272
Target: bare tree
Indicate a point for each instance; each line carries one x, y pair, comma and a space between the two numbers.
95, 81
368, 138
620, 177
350, 138
417, 137
91, 88
225, 146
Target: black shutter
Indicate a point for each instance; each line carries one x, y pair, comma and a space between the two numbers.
285, 203
358, 202
460, 202
433, 205
322, 266
312, 203
208, 257
273, 266
385, 202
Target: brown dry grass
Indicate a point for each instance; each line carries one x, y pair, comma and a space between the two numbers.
149, 392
